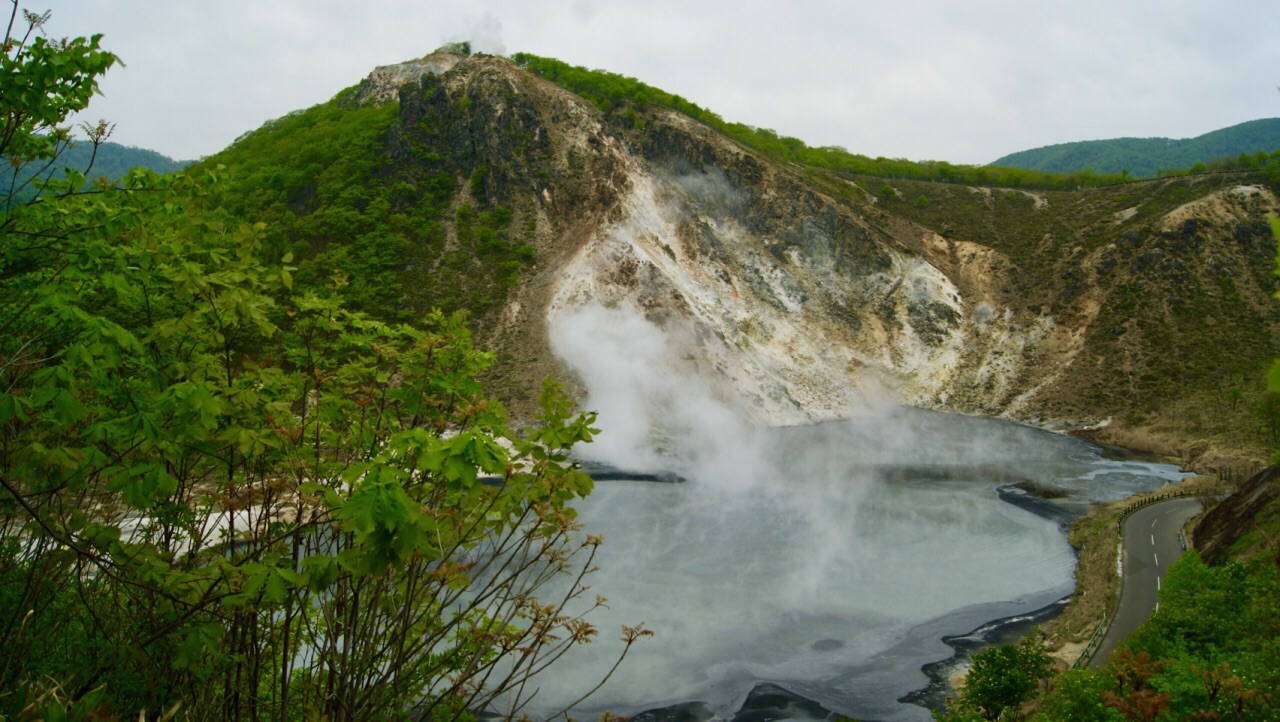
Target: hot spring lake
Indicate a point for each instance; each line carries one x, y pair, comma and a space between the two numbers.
829, 560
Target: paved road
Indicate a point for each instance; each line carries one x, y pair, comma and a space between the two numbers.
1151, 544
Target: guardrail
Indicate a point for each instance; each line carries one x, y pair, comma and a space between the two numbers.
1148, 501
1237, 475
1091, 648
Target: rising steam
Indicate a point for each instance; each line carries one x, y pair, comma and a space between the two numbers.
827, 558
658, 412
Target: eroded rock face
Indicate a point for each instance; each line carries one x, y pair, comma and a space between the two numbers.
1224, 525
797, 302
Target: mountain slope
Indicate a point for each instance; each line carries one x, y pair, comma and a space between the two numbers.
111, 160
798, 291
114, 160
1146, 157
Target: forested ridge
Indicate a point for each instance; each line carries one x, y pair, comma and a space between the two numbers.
1247, 145
329, 191
98, 161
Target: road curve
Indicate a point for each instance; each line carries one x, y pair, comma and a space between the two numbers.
1151, 544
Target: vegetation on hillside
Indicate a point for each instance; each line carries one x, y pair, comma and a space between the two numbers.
230, 479
371, 225
1255, 144
1185, 328
114, 160
624, 98
225, 494
379, 205
1182, 666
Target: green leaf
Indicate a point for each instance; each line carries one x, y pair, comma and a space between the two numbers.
385, 520
276, 588
143, 484
458, 468
251, 441
55, 712
43, 396
13, 407
66, 409
101, 535
255, 576
322, 572
199, 640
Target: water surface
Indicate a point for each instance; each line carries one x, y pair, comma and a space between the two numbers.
829, 560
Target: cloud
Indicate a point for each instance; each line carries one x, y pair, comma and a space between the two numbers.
584, 10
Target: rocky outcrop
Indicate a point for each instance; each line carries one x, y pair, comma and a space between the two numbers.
384, 83
1233, 517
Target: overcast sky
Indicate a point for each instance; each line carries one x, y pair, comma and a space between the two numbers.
965, 81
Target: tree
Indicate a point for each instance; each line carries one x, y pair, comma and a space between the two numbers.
1078, 696
1001, 679
222, 491
41, 83
1135, 697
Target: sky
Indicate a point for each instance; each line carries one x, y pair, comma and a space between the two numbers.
965, 81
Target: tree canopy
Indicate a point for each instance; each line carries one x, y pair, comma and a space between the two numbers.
223, 491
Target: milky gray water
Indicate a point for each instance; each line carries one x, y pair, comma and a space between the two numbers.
828, 560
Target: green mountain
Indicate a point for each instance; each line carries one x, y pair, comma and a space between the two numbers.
1148, 157
112, 161
502, 187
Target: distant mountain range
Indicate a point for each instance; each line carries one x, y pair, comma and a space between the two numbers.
1146, 157
113, 161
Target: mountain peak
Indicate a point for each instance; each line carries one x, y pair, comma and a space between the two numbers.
381, 85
